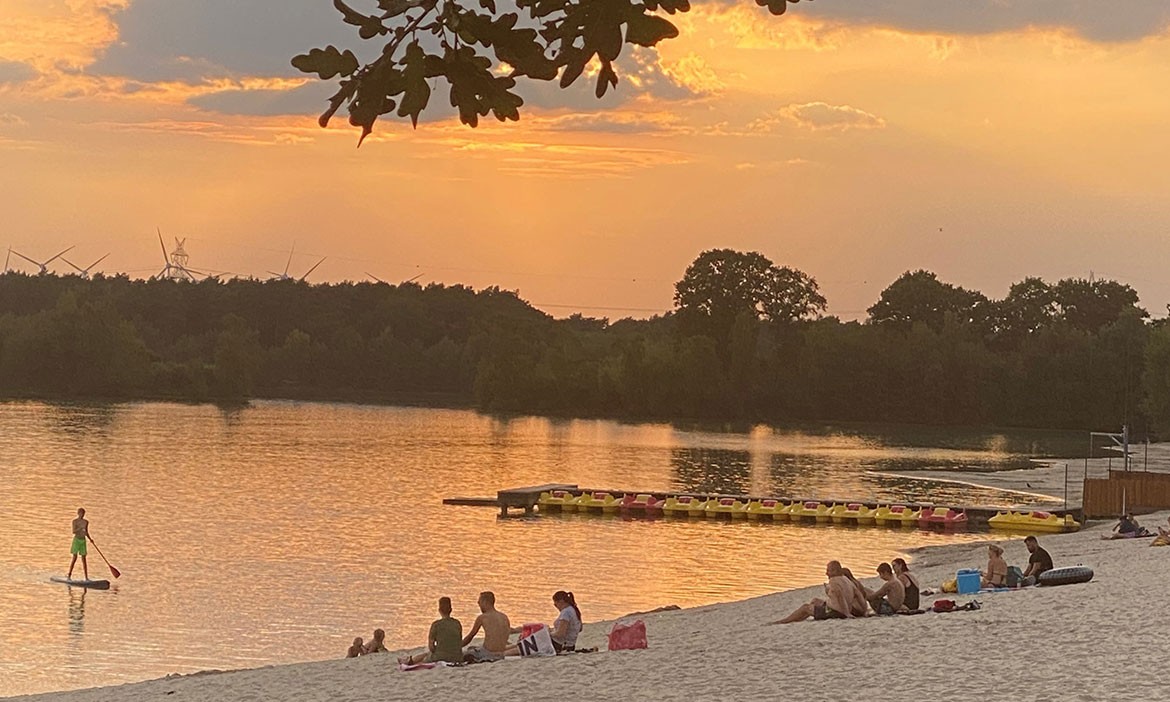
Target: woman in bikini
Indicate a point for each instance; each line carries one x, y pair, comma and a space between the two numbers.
997, 568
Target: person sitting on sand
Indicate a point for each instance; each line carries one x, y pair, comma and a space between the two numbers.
356, 649
378, 643
496, 629
1038, 562
891, 596
444, 641
910, 582
567, 625
839, 592
857, 604
997, 568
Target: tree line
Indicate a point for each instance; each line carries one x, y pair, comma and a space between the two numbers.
747, 340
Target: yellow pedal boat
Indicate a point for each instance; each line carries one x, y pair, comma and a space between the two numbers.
598, 501
896, 515
809, 510
767, 509
726, 507
1034, 521
685, 506
851, 513
562, 500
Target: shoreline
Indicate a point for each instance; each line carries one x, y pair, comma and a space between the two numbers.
726, 647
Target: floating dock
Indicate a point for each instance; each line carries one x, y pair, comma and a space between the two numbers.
528, 499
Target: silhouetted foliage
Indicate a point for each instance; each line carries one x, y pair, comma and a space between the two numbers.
481, 50
1050, 356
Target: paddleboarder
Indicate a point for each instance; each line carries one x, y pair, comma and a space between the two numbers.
80, 535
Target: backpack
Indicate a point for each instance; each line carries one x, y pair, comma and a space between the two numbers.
1015, 576
943, 606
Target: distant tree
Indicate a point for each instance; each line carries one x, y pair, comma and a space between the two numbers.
919, 296
1156, 380
721, 284
481, 51
1089, 305
1030, 305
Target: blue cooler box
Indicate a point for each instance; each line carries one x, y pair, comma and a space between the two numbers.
968, 581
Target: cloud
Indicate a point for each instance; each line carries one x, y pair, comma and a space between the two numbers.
308, 99
182, 40
1112, 21
818, 116
612, 123
14, 72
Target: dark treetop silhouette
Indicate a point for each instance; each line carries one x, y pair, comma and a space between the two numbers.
467, 46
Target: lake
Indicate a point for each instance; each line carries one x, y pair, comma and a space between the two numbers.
276, 532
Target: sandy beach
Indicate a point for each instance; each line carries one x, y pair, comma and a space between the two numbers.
1092, 641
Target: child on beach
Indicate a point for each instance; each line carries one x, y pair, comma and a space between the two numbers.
378, 643
356, 649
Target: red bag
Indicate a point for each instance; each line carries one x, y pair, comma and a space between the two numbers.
944, 606
625, 637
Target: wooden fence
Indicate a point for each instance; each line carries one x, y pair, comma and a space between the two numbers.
1135, 492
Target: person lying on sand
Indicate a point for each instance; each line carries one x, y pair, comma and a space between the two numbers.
378, 643
1127, 527
445, 640
889, 598
839, 591
357, 649
496, 629
997, 568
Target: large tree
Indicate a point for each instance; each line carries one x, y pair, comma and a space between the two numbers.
722, 284
481, 50
919, 296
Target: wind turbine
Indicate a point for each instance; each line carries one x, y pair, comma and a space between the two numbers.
43, 266
408, 280
174, 263
286, 276
84, 272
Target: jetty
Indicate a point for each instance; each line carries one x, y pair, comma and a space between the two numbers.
528, 499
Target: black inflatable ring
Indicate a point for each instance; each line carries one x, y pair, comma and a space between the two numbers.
1066, 576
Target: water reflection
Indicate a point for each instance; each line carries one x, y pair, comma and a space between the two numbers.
712, 470
79, 420
77, 610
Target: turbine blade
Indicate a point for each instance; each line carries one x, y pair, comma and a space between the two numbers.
35, 263
306, 275
59, 255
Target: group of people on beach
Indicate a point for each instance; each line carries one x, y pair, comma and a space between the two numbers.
900, 591
447, 644
847, 598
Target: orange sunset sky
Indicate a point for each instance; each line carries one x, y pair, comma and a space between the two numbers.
986, 140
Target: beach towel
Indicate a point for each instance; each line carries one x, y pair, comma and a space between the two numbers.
424, 666
624, 637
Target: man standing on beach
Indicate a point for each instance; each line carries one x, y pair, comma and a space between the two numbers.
1038, 563
496, 629
80, 534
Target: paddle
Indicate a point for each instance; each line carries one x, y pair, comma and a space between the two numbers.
113, 570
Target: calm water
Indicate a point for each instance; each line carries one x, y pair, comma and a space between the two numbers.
277, 532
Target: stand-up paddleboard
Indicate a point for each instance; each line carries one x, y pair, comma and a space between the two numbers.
92, 584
